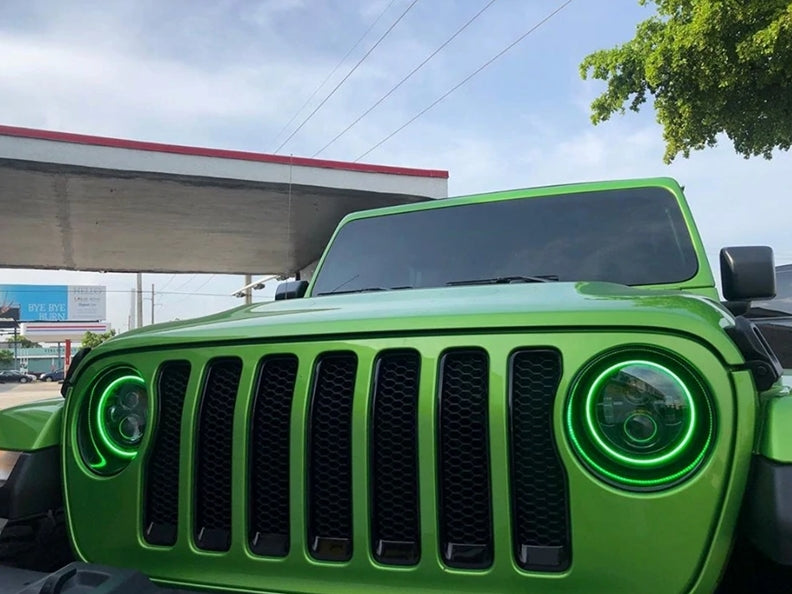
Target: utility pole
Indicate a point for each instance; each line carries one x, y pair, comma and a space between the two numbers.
249, 290
131, 324
152, 303
16, 344
139, 300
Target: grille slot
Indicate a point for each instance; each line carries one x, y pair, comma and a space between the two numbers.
539, 492
394, 459
269, 456
464, 478
330, 458
214, 455
161, 510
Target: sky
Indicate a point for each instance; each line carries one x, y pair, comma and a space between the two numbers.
244, 74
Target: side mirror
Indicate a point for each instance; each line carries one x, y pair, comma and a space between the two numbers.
748, 273
291, 290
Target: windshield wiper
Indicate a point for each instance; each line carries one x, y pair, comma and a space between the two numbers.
364, 290
505, 280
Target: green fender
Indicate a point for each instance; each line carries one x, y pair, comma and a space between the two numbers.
32, 426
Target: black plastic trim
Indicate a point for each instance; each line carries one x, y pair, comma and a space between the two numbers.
34, 485
535, 557
760, 359
767, 509
336, 546
81, 578
462, 555
161, 491
214, 457
390, 551
269, 455
72, 370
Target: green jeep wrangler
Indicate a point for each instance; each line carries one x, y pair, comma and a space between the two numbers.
532, 391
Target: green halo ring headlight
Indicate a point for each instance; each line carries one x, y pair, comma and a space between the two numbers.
121, 415
640, 419
112, 420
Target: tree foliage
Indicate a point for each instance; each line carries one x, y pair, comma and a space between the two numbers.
23, 341
92, 339
712, 66
6, 356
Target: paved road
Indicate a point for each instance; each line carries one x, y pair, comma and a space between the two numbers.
13, 394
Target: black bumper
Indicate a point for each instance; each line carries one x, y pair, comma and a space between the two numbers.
81, 578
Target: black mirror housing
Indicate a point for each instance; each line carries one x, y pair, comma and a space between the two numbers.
748, 272
291, 290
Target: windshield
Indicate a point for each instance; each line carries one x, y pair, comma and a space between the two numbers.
634, 236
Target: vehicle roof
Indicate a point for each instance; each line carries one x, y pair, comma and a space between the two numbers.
531, 192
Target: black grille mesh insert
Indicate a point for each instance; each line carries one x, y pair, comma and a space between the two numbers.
394, 458
539, 487
214, 455
161, 509
465, 506
330, 458
269, 456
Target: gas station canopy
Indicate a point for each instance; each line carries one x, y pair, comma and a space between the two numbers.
77, 202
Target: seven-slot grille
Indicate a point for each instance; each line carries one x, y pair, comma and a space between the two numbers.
464, 523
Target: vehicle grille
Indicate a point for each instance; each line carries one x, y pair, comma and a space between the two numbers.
330, 458
465, 501
268, 503
395, 528
539, 491
162, 480
391, 382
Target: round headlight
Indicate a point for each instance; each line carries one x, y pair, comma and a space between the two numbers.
640, 422
121, 415
112, 421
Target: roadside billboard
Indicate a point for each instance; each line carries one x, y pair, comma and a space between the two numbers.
55, 303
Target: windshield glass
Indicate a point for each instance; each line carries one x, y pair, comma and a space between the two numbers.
634, 236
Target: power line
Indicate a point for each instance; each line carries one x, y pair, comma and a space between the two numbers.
206, 282
406, 78
187, 282
329, 76
467, 78
343, 80
169, 281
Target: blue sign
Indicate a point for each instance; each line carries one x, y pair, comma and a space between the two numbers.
36, 302
54, 303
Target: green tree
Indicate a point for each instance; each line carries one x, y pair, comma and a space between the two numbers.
6, 356
712, 67
91, 339
23, 342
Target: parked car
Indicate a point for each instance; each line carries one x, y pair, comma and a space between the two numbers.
14, 375
52, 376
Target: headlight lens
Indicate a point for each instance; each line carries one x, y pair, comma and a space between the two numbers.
640, 422
121, 415
113, 421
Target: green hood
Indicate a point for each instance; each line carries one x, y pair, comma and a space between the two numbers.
473, 308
